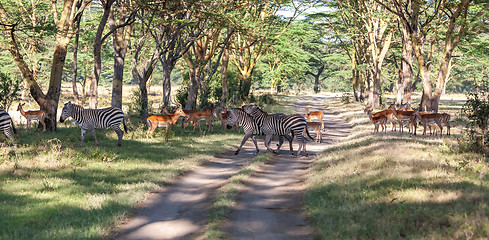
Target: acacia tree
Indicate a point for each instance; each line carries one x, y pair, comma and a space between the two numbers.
64, 21
120, 29
97, 48
428, 21
252, 41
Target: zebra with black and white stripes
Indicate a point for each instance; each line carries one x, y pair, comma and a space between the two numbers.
5, 123
91, 119
281, 125
249, 124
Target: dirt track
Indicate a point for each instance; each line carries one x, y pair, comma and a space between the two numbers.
269, 208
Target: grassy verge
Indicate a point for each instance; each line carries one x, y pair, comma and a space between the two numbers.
394, 186
54, 189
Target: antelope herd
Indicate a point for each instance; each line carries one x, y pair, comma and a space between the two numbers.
410, 118
284, 126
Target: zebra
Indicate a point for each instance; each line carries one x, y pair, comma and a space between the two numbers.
5, 122
250, 126
281, 125
91, 119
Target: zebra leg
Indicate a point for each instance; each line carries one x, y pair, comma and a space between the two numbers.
290, 138
7, 133
120, 133
268, 139
83, 132
94, 136
256, 144
243, 142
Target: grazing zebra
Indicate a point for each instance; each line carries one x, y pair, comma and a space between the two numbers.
250, 126
91, 119
281, 125
5, 122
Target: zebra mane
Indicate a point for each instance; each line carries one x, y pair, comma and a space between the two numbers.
241, 110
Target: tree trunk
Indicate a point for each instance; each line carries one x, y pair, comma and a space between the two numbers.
224, 77
244, 86
97, 48
193, 87
75, 64
167, 69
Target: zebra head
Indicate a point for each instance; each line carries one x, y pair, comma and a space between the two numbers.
250, 109
66, 112
232, 118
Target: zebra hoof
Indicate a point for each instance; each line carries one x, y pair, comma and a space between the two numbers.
236, 153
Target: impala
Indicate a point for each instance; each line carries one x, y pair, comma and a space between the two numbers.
404, 116
317, 114
379, 120
163, 121
389, 114
196, 117
317, 128
428, 118
39, 115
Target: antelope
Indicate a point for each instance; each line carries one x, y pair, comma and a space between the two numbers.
378, 120
404, 116
437, 118
196, 117
163, 121
387, 113
317, 128
39, 115
317, 114
428, 118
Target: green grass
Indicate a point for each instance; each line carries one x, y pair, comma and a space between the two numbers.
394, 186
54, 189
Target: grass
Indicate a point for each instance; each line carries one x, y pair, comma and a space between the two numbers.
393, 186
54, 189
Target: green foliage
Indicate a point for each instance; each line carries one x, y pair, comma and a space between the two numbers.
9, 90
476, 109
266, 99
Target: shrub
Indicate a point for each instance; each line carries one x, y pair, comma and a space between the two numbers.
9, 90
476, 109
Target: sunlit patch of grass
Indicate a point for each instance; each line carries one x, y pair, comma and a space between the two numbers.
395, 186
54, 189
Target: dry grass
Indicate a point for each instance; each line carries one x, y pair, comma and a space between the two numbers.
392, 186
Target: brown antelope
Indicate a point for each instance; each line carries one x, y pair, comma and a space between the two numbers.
39, 115
222, 115
196, 117
428, 118
387, 113
434, 118
316, 126
404, 116
163, 121
316, 114
378, 120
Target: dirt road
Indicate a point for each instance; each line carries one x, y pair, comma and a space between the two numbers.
269, 208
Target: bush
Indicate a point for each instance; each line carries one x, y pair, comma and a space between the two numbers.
266, 98
9, 90
476, 109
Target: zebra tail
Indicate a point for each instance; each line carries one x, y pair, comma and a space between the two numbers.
307, 132
13, 127
124, 123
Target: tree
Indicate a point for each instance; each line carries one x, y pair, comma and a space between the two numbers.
254, 39
97, 46
64, 23
121, 33
427, 22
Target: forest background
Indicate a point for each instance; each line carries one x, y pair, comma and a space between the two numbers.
220, 52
